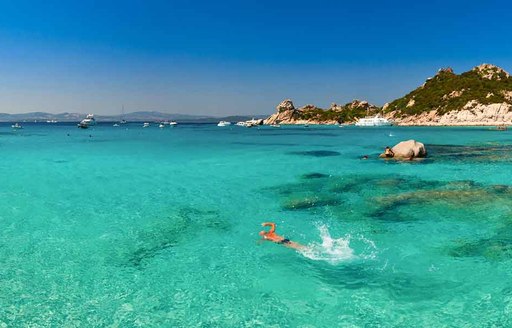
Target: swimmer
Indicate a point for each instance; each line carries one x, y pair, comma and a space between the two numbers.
388, 152
364, 157
275, 238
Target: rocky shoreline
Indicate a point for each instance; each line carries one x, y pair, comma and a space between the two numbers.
479, 97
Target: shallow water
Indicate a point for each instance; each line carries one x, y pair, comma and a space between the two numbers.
159, 227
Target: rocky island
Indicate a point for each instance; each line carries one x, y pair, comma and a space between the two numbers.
481, 96
310, 114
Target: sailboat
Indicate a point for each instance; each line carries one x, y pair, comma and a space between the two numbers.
123, 121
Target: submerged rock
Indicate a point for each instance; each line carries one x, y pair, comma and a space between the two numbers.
316, 153
314, 175
311, 202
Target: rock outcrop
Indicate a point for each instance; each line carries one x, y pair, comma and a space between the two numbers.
409, 149
286, 113
491, 72
473, 113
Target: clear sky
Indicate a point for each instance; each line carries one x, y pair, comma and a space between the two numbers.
236, 57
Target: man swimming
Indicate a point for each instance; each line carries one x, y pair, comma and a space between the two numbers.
275, 238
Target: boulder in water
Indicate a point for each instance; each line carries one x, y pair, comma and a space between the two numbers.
409, 149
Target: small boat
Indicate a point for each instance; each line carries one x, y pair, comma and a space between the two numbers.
51, 121
16, 126
502, 127
173, 123
87, 122
224, 123
373, 121
145, 125
241, 124
306, 125
115, 124
275, 125
122, 121
161, 126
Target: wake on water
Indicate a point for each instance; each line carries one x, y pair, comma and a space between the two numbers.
338, 250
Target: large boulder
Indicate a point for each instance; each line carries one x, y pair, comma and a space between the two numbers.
409, 149
285, 105
286, 114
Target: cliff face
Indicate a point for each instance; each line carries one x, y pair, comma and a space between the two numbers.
482, 96
310, 114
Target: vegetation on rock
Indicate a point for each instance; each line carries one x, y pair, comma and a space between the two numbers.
447, 91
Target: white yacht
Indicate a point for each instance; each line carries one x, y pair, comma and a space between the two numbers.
241, 124
173, 123
145, 125
16, 126
115, 124
161, 126
224, 123
87, 121
373, 121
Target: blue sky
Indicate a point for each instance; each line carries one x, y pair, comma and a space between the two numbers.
236, 57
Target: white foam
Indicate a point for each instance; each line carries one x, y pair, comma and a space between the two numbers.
338, 250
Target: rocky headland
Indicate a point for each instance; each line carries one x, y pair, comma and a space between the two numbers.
481, 96
310, 114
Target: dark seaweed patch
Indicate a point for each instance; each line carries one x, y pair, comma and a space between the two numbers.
497, 248
310, 202
304, 133
479, 153
287, 144
169, 232
316, 153
314, 175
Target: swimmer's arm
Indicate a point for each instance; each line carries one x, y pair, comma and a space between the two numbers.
272, 226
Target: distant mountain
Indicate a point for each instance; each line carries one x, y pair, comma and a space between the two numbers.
140, 116
481, 96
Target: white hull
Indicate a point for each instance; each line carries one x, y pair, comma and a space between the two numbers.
87, 122
373, 121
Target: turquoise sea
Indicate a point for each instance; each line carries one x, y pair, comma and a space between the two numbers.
132, 227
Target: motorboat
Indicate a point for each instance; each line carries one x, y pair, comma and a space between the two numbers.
224, 123
275, 125
115, 124
173, 123
161, 126
241, 124
51, 121
145, 125
376, 120
16, 126
87, 122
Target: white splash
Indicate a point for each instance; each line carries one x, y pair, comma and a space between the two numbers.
337, 250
